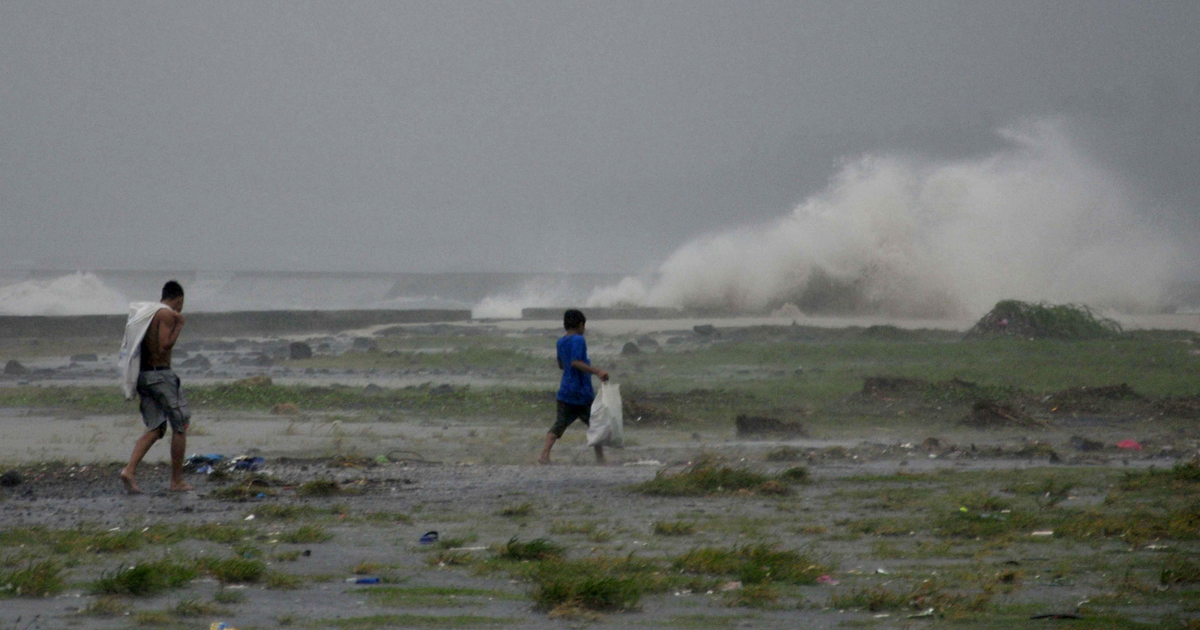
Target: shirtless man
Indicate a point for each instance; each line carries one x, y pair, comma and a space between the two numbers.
162, 400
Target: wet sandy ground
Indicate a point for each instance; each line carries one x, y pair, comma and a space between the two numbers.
456, 477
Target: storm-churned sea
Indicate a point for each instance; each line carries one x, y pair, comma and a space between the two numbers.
58, 292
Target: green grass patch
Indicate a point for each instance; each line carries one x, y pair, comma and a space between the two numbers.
753, 564
35, 579
145, 578
760, 595
305, 534
319, 488
592, 584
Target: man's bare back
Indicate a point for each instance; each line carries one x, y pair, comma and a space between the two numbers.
160, 338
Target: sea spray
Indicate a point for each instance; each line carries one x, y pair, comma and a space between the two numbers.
72, 294
902, 236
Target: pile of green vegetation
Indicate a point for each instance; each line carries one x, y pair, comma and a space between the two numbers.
707, 476
1013, 318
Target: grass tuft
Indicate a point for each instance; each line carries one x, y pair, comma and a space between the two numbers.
536, 549
35, 579
514, 511
305, 534
146, 578
235, 570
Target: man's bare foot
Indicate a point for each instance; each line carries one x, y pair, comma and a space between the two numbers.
544, 461
178, 486
130, 483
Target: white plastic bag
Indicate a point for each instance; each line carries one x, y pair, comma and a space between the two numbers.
606, 427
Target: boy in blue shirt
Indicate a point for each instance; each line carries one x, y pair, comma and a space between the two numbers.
575, 394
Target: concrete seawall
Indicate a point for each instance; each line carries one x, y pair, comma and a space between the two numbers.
232, 324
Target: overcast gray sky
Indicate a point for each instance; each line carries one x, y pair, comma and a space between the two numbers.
533, 136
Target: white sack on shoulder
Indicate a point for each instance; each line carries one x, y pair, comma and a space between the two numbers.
129, 360
606, 427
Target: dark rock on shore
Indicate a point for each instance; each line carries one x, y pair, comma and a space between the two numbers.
14, 368
299, 350
198, 362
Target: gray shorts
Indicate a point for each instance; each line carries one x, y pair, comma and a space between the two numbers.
162, 400
568, 413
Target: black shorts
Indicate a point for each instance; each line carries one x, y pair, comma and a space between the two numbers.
567, 413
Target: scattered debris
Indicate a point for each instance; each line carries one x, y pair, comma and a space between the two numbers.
990, 414
827, 580
1129, 445
428, 538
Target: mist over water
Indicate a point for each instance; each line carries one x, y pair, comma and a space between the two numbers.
905, 236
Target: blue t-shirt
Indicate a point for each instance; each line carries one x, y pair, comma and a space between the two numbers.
576, 387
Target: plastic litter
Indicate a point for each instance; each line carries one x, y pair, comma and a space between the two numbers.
1129, 445
429, 538
367, 580
1046, 532
220, 625
245, 462
731, 586
926, 613
827, 580
606, 427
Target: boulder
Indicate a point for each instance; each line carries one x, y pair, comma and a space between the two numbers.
14, 368
299, 350
197, 362
630, 348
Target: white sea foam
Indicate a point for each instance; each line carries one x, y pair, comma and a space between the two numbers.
72, 294
909, 237
532, 294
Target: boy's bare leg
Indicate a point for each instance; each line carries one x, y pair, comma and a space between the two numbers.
178, 447
140, 448
544, 458
599, 454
